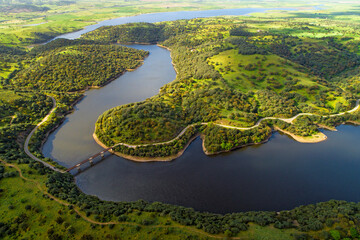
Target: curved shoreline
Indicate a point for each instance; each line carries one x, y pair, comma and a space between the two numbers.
316, 138
113, 78
96, 22
174, 156
172, 62
234, 148
147, 159
26, 144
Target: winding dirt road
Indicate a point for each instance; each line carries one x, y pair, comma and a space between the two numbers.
288, 120
26, 144
84, 217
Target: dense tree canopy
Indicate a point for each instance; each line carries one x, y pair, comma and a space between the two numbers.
283, 74
227, 73
77, 67
128, 33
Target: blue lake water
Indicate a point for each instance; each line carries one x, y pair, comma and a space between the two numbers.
280, 174
167, 16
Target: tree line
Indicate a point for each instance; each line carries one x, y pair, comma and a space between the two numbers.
76, 67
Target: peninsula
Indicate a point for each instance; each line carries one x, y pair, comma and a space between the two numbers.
238, 79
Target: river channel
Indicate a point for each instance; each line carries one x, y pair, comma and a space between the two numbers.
278, 175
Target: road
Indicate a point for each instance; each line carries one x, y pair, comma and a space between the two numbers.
26, 145
288, 120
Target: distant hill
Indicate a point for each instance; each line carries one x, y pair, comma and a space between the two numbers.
19, 8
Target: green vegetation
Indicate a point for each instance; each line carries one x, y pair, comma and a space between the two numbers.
33, 21
130, 33
171, 148
232, 71
76, 67
28, 211
218, 139
27, 197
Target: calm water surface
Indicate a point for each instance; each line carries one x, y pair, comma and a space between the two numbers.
278, 175
73, 141
167, 16
281, 174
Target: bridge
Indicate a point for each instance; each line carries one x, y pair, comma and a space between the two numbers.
90, 160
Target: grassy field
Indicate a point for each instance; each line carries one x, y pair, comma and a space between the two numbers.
28, 211
256, 232
236, 70
224, 76
233, 68
34, 214
19, 27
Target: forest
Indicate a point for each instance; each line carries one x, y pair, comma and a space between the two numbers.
76, 67
230, 71
147, 33
310, 218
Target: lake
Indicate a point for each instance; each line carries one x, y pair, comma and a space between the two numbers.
278, 175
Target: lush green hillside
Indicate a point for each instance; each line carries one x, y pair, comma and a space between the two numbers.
129, 33
34, 21
233, 71
77, 67
28, 210
10, 62
37, 203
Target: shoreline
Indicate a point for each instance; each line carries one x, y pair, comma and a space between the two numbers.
147, 159
333, 129
61, 121
352, 122
99, 21
234, 148
115, 77
55, 127
172, 61
311, 139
